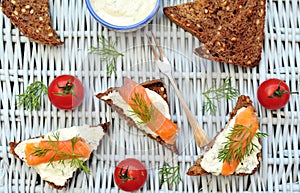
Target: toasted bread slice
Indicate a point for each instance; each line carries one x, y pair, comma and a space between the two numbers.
154, 85
239, 42
197, 168
33, 20
202, 18
88, 135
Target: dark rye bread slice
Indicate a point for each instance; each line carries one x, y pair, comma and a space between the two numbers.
32, 17
196, 169
13, 145
239, 42
202, 18
156, 85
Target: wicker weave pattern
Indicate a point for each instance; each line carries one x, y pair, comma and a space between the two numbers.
22, 62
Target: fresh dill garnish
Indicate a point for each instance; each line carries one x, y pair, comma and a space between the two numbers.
142, 110
73, 158
32, 98
40, 152
216, 94
107, 52
239, 144
55, 136
74, 140
170, 174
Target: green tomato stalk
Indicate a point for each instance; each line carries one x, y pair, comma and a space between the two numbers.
124, 175
67, 89
279, 92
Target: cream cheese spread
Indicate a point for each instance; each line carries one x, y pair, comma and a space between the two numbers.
212, 164
59, 173
123, 12
156, 100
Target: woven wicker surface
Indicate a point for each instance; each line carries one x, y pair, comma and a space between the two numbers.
22, 62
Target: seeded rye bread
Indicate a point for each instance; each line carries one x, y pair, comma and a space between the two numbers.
196, 169
239, 42
32, 17
13, 145
202, 17
155, 85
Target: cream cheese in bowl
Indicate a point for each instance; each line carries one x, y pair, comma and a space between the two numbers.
123, 15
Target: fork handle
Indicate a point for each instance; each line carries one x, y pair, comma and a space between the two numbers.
200, 136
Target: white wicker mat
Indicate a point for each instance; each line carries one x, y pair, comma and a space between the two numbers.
22, 62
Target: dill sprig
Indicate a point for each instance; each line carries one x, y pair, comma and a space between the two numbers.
73, 158
239, 144
216, 94
32, 98
170, 174
142, 110
107, 52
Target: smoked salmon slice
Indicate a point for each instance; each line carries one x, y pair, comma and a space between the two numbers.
48, 151
155, 120
249, 120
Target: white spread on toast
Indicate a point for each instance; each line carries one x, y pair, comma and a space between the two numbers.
213, 165
123, 12
56, 172
156, 100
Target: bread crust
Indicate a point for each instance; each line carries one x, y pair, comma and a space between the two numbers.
196, 169
33, 20
13, 145
155, 85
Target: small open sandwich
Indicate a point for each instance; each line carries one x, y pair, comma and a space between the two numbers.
57, 155
236, 149
144, 106
33, 20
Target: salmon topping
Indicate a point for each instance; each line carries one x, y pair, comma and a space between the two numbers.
245, 127
136, 96
47, 151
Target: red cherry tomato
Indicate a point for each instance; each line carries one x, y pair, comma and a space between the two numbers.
130, 175
273, 94
66, 92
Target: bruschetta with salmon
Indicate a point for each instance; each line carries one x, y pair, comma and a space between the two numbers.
236, 149
144, 106
57, 155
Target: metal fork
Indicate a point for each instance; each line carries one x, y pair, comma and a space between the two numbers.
165, 67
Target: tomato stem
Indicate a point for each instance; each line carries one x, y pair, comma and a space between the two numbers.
124, 175
279, 92
67, 89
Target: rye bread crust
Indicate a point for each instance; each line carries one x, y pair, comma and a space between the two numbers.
13, 145
156, 85
196, 169
33, 20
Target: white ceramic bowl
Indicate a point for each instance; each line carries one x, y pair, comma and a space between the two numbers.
118, 26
